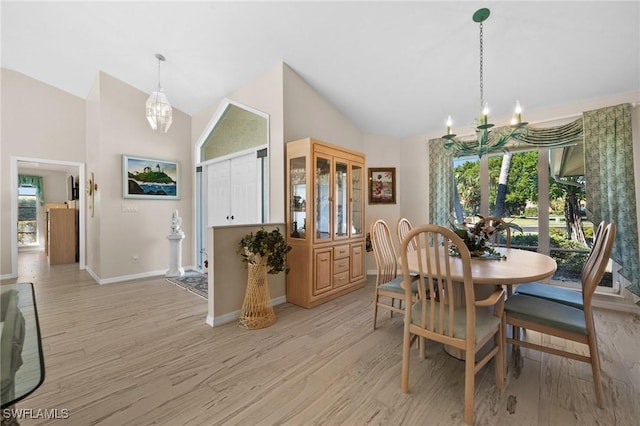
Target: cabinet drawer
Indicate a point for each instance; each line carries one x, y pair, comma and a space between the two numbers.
341, 279
340, 265
341, 251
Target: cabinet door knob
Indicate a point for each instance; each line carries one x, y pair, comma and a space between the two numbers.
227, 217
232, 217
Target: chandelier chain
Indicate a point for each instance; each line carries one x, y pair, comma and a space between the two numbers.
159, 86
481, 66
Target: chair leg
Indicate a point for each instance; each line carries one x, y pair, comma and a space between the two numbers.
504, 343
406, 352
500, 365
595, 368
375, 310
516, 354
469, 387
422, 345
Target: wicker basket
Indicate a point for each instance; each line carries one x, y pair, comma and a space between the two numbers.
256, 309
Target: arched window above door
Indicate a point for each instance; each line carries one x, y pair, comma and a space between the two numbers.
234, 129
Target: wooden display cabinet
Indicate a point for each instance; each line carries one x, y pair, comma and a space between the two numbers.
325, 221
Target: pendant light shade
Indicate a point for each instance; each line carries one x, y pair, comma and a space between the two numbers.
158, 109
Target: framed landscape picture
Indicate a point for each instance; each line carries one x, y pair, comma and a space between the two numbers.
382, 185
149, 178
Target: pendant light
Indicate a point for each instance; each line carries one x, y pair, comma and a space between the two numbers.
158, 109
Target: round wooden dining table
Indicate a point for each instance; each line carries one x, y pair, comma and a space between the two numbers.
517, 267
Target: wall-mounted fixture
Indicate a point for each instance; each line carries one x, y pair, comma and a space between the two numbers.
92, 187
159, 111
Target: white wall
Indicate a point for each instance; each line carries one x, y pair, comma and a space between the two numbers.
308, 114
38, 121
117, 126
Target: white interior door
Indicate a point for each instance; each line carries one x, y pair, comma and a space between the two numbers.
218, 200
245, 190
233, 191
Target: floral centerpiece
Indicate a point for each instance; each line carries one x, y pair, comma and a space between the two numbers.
477, 236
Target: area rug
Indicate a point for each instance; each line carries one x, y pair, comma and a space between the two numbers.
192, 281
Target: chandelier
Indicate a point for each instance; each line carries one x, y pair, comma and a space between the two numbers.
158, 108
485, 141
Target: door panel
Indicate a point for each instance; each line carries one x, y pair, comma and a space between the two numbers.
218, 203
245, 194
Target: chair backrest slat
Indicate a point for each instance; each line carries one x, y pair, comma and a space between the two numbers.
598, 240
384, 252
596, 264
434, 276
404, 226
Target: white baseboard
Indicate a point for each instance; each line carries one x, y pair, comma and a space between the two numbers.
125, 277
8, 276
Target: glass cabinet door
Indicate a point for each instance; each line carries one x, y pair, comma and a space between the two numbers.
357, 205
298, 208
323, 198
340, 183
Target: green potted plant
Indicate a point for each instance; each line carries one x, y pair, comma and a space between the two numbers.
264, 253
478, 236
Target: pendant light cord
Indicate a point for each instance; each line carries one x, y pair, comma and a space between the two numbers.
159, 86
160, 58
481, 64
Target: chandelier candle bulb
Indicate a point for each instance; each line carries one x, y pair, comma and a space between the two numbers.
518, 112
485, 114
449, 124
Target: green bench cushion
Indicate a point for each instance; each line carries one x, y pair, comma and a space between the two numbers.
546, 312
557, 294
394, 285
486, 322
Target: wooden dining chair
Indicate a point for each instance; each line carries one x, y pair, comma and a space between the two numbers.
560, 320
388, 283
467, 327
562, 295
404, 226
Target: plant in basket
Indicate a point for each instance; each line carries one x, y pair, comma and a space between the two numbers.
264, 253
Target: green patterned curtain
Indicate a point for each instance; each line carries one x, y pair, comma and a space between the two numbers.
36, 182
440, 183
610, 186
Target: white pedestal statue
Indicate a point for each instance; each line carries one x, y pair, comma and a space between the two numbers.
175, 247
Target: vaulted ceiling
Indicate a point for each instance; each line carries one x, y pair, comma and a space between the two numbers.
394, 68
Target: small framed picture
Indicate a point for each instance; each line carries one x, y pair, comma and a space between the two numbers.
382, 185
150, 179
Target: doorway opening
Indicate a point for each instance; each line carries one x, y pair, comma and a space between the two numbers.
55, 189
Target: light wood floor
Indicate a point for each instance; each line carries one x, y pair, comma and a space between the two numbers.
140, 353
